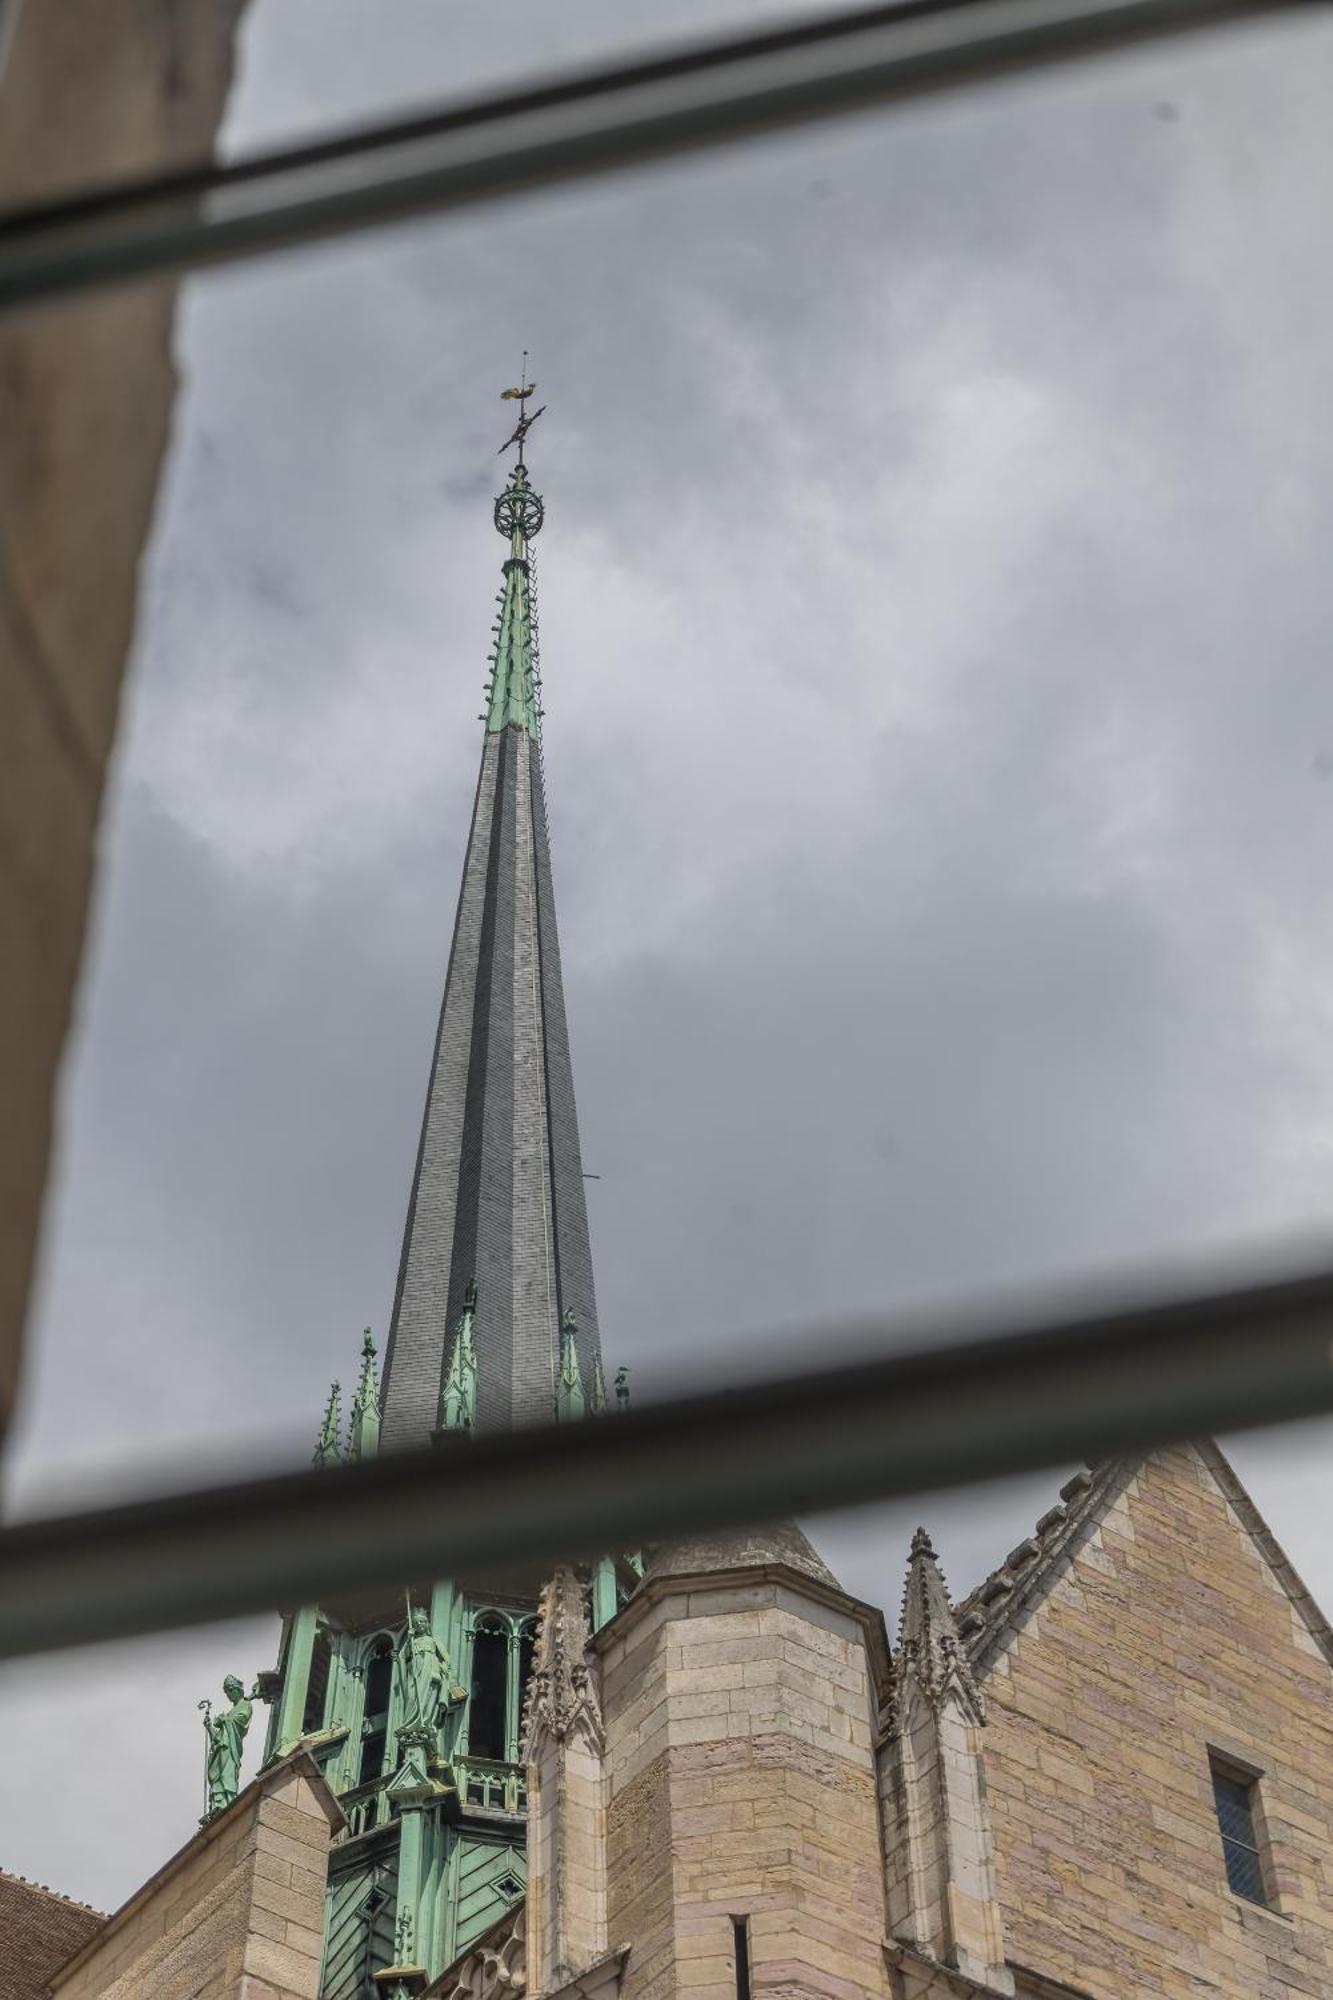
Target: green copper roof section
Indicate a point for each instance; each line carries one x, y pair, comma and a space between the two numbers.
364, 1428
328, 1451
514, 683
458, 1391
569, 1398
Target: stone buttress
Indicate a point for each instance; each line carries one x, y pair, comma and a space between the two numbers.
939, 1852
742, 1696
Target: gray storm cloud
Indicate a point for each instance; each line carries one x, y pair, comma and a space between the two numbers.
935, 626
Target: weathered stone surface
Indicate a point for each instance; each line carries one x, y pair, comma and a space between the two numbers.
741, 1784
1168, 1633
566, 1836
211, 1923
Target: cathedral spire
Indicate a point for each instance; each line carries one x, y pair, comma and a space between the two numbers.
498, 1191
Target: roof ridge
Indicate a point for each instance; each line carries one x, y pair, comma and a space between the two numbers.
56, 1895
1237, 1495
989, 1612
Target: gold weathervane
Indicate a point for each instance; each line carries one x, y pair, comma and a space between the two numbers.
525, 422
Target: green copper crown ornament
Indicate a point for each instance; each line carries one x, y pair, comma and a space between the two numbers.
519, 510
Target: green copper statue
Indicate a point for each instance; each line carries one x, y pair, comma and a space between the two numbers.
427, 1692
225, 1739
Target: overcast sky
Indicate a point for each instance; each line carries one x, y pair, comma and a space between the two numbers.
935, 608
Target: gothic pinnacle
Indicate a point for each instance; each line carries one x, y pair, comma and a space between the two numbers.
363, 1433
930, 1651
328, 1451
569, 1398
458, 1391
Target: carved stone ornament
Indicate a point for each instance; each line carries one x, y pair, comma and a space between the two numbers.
930, 1652
562, 1696
496, 1968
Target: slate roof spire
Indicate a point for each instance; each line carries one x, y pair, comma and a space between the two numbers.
498, 1195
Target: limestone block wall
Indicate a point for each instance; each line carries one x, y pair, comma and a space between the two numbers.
566, 1847
1168, 1633
741, 1715
940, 1867
237, 1914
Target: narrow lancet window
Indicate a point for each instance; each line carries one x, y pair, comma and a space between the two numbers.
487, 1732
318, 1685
1235, 1795
375, 1712
740, 1939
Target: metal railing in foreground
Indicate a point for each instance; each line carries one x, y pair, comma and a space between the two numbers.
584, 125
959, 1411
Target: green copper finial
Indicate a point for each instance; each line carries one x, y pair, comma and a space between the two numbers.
569, 1399
597, 1397
458, 1392
329, 1449
363, 1435
519, 515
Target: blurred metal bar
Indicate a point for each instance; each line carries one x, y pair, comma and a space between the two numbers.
592, 123
945, 1416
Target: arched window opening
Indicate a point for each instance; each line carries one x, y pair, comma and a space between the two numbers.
317, 1687
375, 1712
486, 1731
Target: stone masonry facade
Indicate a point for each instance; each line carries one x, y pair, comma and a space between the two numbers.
237, 1914
1166, 1636
738, 1791
1016, 1801
741, 1716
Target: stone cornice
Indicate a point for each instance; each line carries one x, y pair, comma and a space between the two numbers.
931, 1980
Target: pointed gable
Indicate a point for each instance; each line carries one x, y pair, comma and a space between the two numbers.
1151, 1626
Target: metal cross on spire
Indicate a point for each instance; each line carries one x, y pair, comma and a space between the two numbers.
525, 422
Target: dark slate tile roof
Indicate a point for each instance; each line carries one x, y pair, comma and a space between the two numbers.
498, 1194
742, 1548
39, 1931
